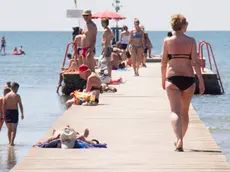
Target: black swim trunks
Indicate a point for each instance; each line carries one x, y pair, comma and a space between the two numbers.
12, 116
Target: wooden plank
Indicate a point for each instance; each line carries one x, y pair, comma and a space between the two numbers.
135, 123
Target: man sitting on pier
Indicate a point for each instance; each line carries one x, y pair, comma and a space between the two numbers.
72, 67
93, 84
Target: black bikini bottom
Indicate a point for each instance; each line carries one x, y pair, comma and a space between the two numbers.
182, 82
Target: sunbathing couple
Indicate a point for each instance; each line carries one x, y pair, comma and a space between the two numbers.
68, 138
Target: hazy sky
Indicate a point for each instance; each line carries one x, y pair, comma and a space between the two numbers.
50, 15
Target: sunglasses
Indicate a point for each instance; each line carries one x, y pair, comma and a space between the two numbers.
85, 15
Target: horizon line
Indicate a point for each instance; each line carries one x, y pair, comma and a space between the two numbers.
102, 30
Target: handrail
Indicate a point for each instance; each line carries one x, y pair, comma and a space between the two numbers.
209, 49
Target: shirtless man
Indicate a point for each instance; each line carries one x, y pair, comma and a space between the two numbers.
3, 45
88, 40
148, 47
5, 91
93, 83
107, 37
10, 111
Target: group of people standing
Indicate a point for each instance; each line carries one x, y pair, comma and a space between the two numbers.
15, 51
137, 43
178, 61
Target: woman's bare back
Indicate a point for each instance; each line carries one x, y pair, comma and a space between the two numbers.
180, 45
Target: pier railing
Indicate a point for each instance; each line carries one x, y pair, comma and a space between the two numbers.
67, 50
211, 60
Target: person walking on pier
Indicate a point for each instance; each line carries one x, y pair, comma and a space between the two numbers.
137, 42
179, 58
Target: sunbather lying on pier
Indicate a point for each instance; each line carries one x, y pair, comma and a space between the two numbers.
68, 138
57, 133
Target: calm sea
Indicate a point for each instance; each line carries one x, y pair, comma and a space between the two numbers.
37, 73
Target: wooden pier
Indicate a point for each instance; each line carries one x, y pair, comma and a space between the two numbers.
135, 123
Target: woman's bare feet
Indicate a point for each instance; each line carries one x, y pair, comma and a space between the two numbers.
179, 146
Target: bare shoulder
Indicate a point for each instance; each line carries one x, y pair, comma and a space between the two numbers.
18, 96
166, 39
110, 31
190, 39
92, 25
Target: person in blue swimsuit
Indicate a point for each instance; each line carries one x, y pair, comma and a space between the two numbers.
137, 44
178, 60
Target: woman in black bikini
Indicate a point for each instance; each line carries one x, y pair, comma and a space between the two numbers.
179, 58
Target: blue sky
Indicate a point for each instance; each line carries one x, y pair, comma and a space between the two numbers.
50, 15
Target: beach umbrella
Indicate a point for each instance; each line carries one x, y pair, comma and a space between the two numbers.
108, 14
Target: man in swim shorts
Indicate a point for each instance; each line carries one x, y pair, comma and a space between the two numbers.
10, 111
107, 37
88, 40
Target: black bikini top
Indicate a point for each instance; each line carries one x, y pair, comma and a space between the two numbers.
181, 56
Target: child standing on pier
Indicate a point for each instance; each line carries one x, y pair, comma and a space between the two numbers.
10, 111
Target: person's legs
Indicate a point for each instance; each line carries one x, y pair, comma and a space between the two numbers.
80, 60
134, 59
1, 124
186, 98
9, 127
13, 134
144, 59
109, 68
139, 59
70, 102
150, 52
90, 61
174, 96
60, 81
